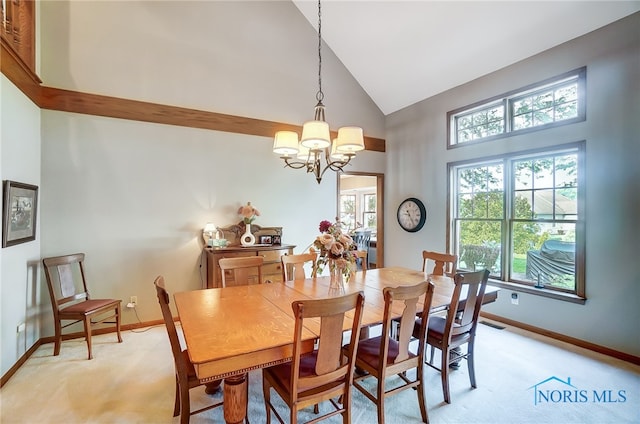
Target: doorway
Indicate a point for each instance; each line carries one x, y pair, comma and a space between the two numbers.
361, 208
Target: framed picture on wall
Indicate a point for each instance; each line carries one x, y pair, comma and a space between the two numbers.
19, 212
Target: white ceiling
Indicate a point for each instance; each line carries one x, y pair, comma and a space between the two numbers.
402, 52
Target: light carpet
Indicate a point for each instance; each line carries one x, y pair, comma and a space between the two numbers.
133, 382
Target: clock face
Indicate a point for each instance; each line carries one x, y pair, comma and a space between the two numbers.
412, 215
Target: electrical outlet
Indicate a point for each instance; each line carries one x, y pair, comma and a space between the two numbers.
514, 298
134, 300
21, 327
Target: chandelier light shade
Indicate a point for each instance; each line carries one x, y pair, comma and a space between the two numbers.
350, 140
315, 135
315, 152
285, 143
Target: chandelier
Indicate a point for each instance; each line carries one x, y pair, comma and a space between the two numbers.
316, 137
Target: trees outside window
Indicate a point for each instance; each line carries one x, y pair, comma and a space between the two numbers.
519, 216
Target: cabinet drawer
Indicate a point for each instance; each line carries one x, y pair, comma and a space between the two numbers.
235, 255
271, 269
272, 255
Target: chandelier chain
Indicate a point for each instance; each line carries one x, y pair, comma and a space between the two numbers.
319, 94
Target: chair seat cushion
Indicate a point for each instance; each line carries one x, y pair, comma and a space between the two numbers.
369, 351
436, 331
282, 372
89, 306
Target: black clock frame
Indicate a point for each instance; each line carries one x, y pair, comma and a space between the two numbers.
423, 214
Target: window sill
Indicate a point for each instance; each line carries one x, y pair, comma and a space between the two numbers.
552, 294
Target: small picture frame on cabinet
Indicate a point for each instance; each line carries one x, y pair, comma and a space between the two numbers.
276, 239
266, 239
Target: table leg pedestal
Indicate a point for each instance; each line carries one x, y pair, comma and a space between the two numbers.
236, 396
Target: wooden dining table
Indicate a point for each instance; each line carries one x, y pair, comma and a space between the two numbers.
232, 331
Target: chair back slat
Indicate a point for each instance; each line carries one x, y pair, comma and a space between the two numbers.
464, 320
408, 296
65, 275
444, 263
331, 365
176, 349
243, 268
293, 266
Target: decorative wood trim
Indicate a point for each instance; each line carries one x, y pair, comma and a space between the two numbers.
564, 338
113, 107
19, 73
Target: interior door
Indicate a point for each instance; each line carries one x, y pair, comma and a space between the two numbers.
361, 205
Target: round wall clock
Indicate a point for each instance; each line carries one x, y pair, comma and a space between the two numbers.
412, 214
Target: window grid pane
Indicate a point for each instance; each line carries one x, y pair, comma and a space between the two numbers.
546, 106
543, 231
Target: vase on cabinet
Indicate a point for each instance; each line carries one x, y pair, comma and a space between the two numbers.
247, 238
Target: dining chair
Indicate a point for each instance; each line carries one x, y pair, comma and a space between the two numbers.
383, 356
362, 256
293, 265
444, 263
70, 299
362, 239
458, 327
246, 270
186, 378
326, 373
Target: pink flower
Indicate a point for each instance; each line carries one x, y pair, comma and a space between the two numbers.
248, 213
337, 249
326, 240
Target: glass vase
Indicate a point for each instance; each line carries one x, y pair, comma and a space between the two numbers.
337, 277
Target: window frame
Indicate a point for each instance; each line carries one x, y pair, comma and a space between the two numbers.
507, 99
505, 279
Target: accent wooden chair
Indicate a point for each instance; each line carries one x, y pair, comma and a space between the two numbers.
244, 269
185, 373
458, 327
444, 263
385, 356
362, 255
327, 372
293, 265
70, 299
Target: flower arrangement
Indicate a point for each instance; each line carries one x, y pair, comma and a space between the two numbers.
248, 213
336, 248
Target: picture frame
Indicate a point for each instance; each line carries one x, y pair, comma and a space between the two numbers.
19, 213
266, 239
276, 239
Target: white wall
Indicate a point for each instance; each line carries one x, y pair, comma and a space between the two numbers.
135, 196
19, 276
417, 159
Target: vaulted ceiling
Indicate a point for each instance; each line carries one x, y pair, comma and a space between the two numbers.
402, 52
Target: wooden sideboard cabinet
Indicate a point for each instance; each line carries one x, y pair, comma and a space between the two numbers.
271, 270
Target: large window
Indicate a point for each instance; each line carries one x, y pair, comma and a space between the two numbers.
520, 216
557, 101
